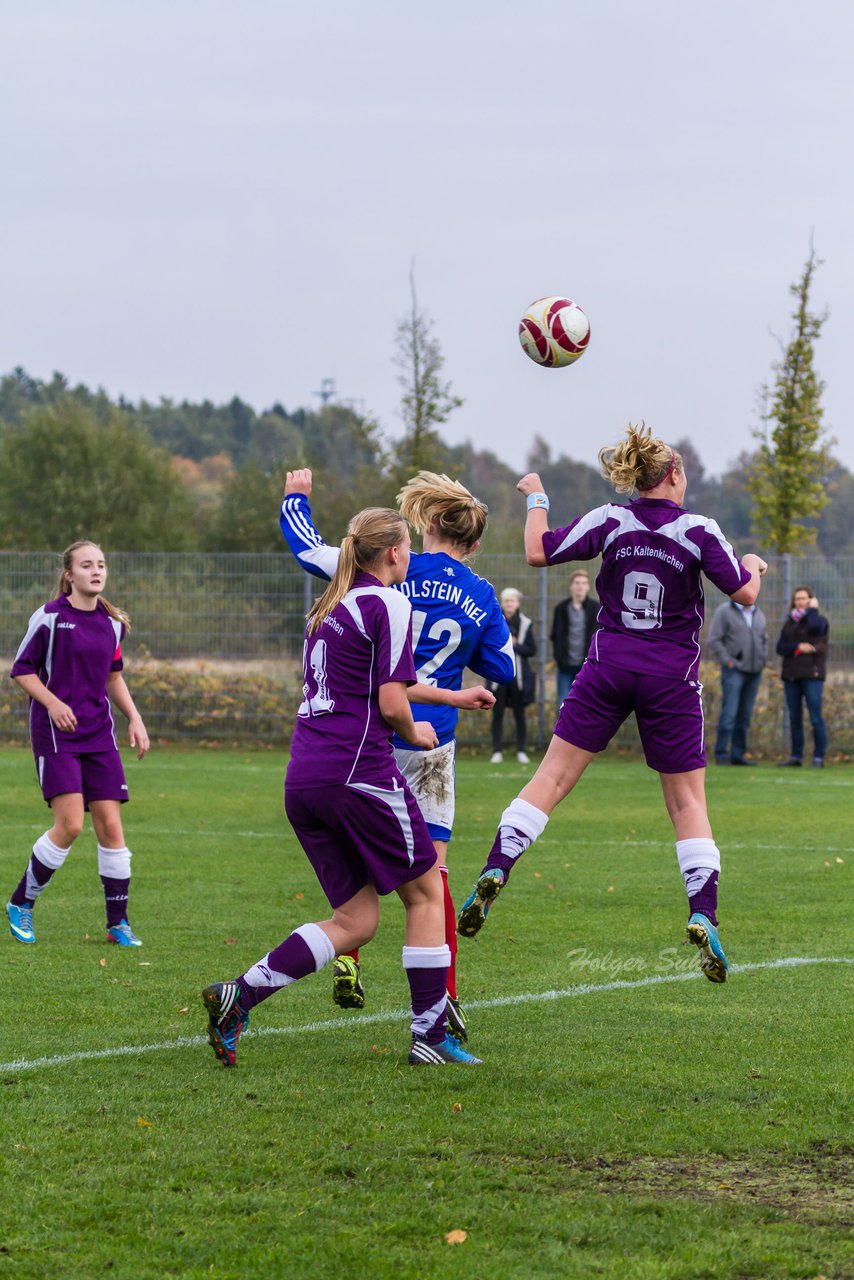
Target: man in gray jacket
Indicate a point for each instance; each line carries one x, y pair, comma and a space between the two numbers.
739, 640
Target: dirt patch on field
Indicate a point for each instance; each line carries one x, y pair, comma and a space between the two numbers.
817, 1188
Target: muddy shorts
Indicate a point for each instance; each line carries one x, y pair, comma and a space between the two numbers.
430, 775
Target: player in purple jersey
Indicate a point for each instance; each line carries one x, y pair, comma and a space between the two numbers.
348, 802
457, 623
643, 657
70, 663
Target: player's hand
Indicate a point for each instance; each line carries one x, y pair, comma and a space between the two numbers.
425, 736
138, 735
476, 699
298, 482
62, 716
762, 567
812, 603
803, 647
531, 483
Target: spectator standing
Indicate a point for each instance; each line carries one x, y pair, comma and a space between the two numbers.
520, 692
573, 628
803, 648
739, 641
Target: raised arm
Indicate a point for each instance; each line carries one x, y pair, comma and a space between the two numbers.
537, 520
307, 546
756, 567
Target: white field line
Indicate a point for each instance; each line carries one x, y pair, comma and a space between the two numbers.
577, 843
401, 1015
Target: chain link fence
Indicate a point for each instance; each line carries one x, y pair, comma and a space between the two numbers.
215, 650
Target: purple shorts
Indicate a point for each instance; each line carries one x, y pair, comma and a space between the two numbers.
669, 714
97, 776
355, 835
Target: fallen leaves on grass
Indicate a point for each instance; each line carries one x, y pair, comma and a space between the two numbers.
102, 962
144, 1124
229, 942
186, 1009
457, 1236
457, 1107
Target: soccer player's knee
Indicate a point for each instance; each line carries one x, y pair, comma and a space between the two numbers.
67, 830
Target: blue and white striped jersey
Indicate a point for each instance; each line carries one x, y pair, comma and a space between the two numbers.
456, 618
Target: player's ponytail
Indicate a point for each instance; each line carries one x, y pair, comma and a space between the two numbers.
640, 462
438, 504
369, 534
63, 586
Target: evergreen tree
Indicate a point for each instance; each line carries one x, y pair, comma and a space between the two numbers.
785, 480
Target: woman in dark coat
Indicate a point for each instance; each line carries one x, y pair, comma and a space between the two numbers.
803, 648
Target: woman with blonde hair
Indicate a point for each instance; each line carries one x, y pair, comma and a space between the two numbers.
70, 664
457, 622
348, 803
644, 658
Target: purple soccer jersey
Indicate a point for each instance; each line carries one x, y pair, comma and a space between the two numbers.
649, 586
72, 651
340, 734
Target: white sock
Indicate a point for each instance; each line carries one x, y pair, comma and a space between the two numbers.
520, 825
698, 859
114, 863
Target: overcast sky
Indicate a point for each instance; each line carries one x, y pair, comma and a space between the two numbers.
209, 199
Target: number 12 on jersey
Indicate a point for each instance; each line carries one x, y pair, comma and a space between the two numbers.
448, 627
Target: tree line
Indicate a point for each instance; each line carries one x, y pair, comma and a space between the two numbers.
187, 476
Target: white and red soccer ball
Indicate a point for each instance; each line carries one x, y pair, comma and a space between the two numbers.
554, 332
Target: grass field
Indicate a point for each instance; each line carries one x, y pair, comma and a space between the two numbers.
631, 1120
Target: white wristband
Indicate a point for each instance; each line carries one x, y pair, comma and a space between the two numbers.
538, 500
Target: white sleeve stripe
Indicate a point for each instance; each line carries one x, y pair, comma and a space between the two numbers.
39, 619
592, 520
301, 526
399, 611
326, 558
715, 530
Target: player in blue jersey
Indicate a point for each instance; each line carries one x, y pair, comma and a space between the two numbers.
348, 803
457, 622
644, 657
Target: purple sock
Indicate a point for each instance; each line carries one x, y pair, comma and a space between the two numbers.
115, 899
305, 951
427, 971
508, 844
35, 877
706, 901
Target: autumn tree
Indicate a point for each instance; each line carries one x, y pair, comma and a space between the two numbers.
785, 479
427, 401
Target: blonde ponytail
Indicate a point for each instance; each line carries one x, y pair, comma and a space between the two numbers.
640, 462
438, 504
369, 534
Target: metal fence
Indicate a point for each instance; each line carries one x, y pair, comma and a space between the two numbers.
216, 643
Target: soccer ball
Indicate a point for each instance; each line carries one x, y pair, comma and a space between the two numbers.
554, 332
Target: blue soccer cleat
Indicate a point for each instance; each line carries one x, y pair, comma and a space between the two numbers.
475, 909
446, 1051
21, 922
123, 935
704, 935
227, 1020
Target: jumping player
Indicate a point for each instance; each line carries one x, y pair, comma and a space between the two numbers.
644, 658
70, 663
457, 623
348, 803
